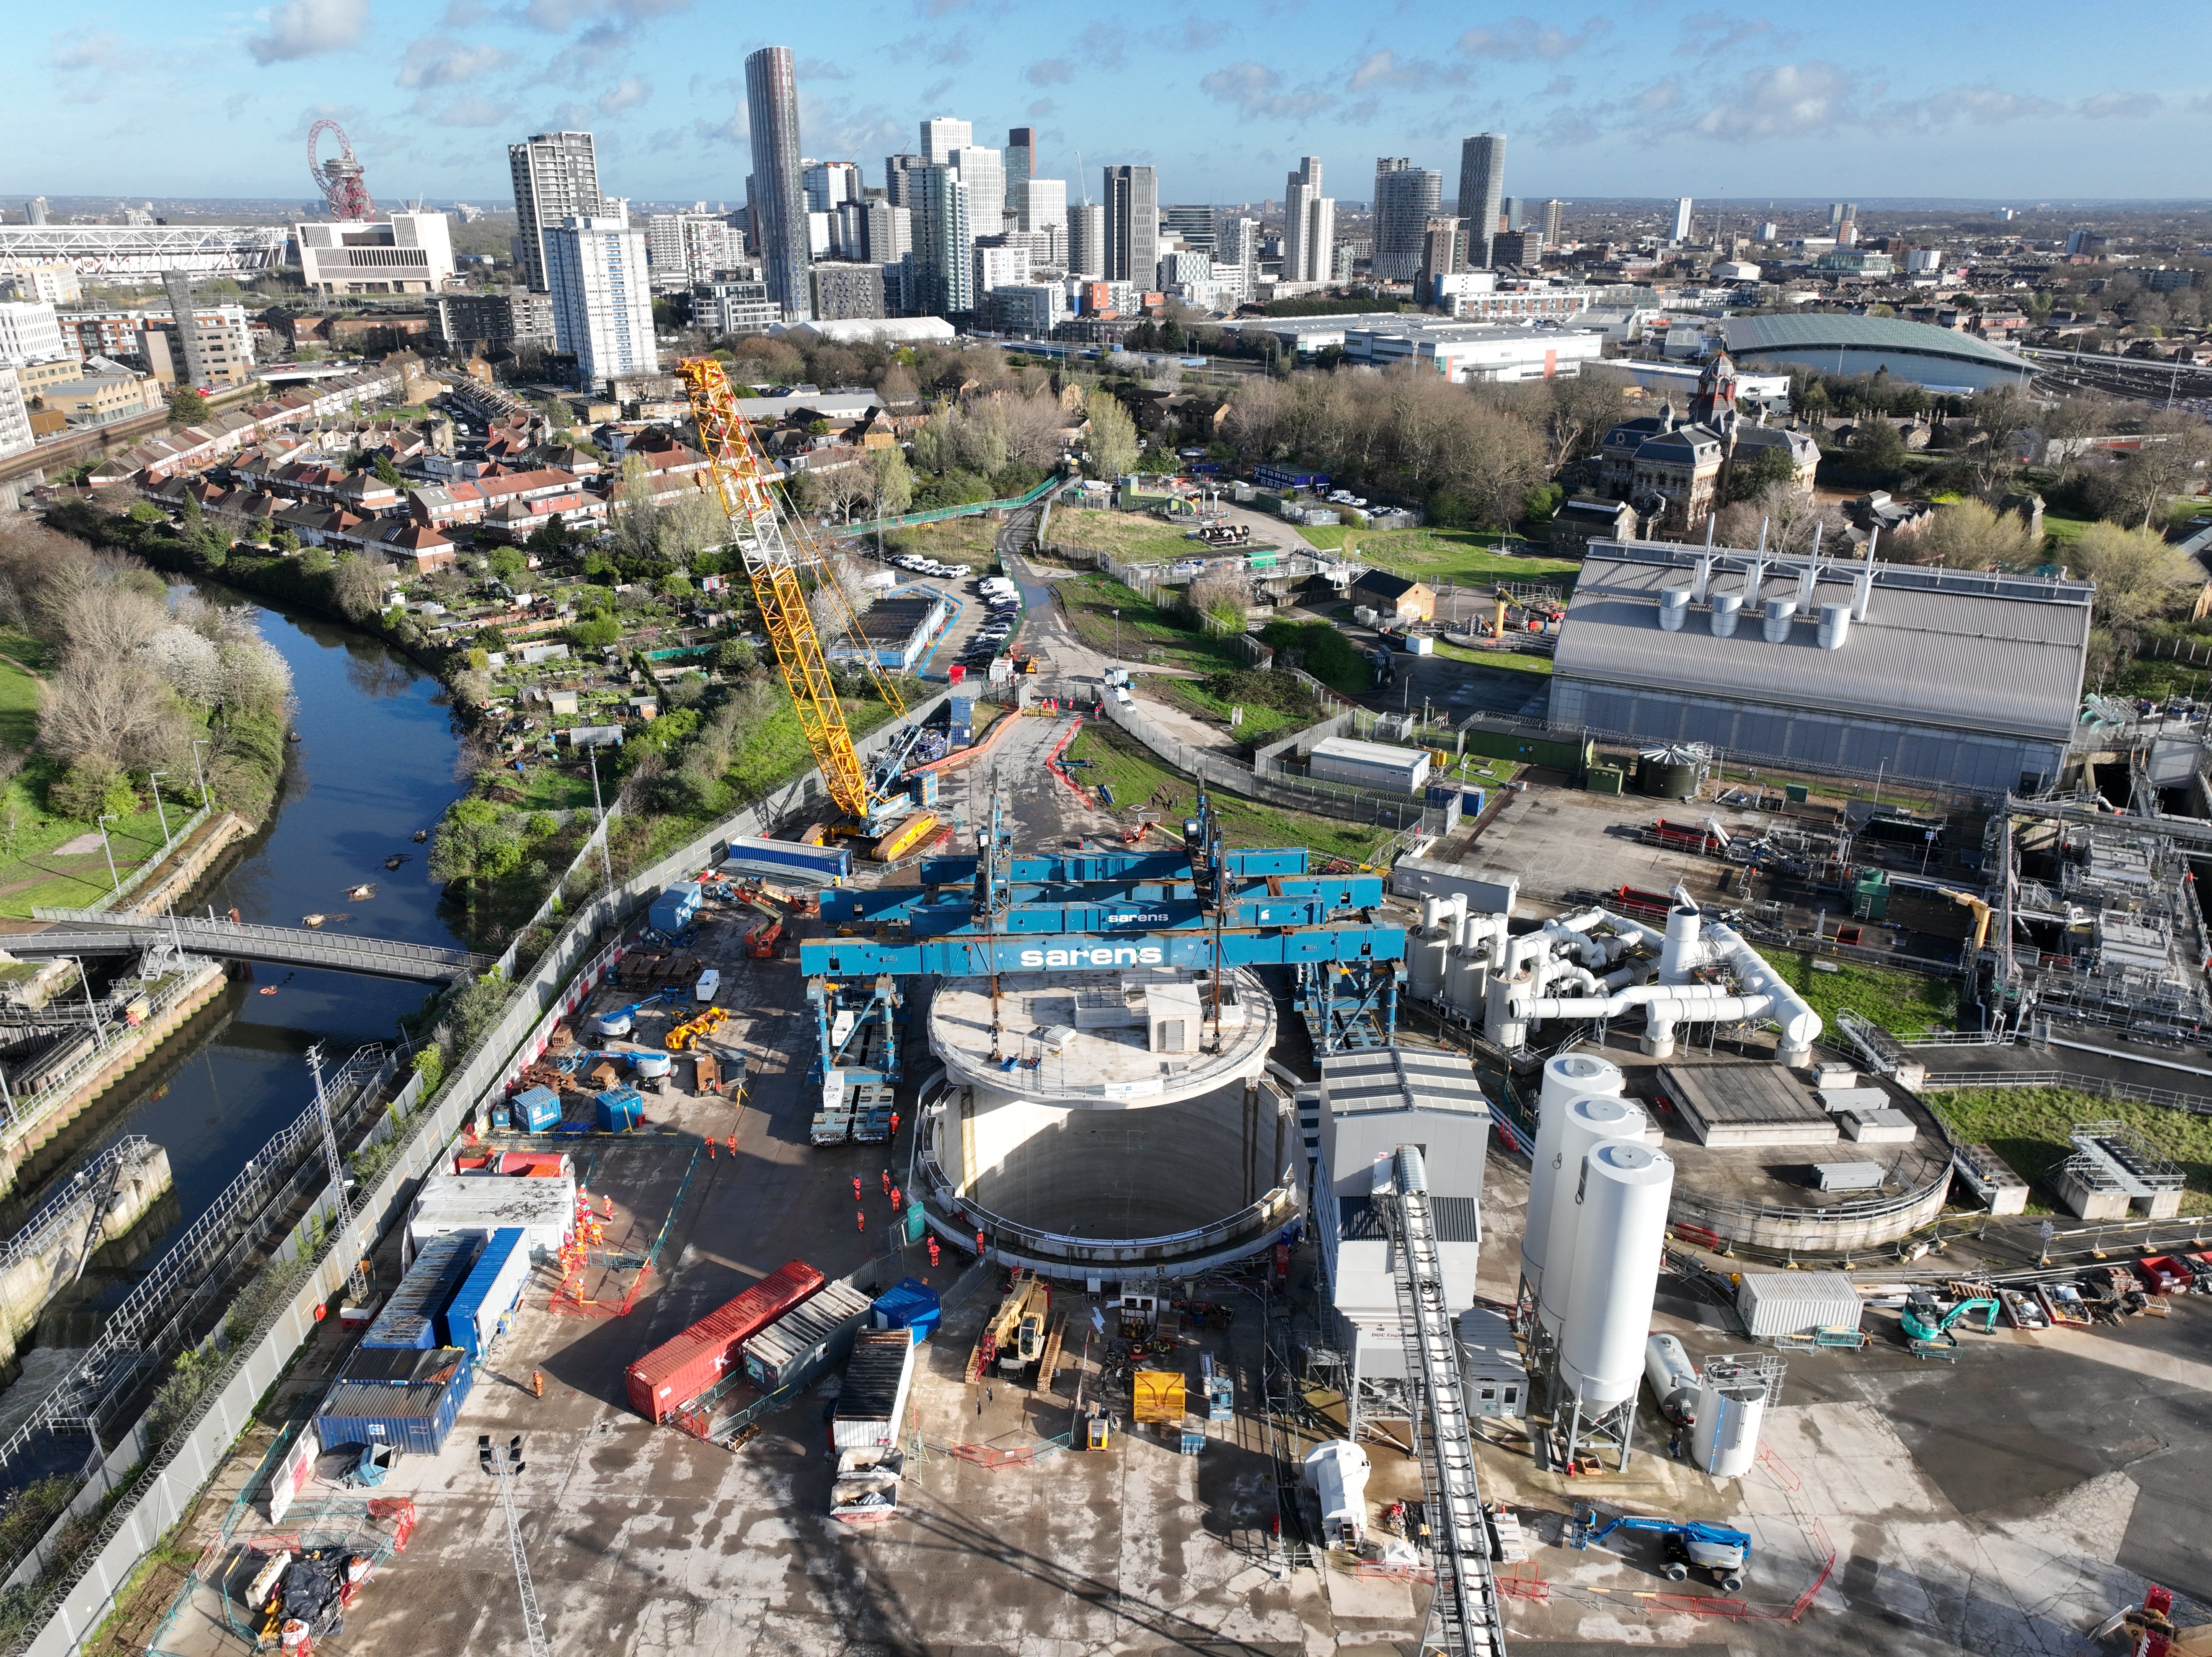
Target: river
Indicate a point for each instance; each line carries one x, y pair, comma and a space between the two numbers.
373, 764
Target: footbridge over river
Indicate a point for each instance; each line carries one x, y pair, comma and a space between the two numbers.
101, 932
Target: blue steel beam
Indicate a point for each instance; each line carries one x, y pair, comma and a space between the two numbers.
962, 957
1117, 865
1038, 909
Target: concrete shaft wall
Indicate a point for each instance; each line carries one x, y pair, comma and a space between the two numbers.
1813, 1230
1117, 1174
104, 1213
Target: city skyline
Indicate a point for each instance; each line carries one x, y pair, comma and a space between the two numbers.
1619, 100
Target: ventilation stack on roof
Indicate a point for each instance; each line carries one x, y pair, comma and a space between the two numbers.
1673, 608
1835, 626
1780, 612
1728, 607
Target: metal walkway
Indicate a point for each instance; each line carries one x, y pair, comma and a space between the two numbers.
1464, 1618
94, 931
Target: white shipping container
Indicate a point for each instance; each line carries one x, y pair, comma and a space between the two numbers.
1773, 1303
543, 1209
1369, 764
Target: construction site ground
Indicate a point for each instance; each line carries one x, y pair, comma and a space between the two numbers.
2003, 1506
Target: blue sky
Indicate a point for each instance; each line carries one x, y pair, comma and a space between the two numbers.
2012, 102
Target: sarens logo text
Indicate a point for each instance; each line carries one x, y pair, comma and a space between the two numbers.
1123, 954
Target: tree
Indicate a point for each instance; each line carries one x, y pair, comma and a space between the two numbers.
1969, 535
356, 583
387, 473
1774, 464
1876, 449
1113, 439
595, 633
507, 562
2176, 449
894, 484
2139, 576
187, 405
1222, 597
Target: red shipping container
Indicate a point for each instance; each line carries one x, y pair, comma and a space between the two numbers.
679, 1370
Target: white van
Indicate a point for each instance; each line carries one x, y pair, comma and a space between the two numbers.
709, 986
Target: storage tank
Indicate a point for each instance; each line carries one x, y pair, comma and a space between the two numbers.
1466, 976
1588, 1123
1566, 1078
1731, 1408
1780, 613
1674, 1381
1835, 626
1728, 609
1673, 608
1424, 962
1619, 1244
1667, 774
1336, 1472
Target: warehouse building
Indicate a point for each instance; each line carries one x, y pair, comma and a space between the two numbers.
1956, 677
1941, 359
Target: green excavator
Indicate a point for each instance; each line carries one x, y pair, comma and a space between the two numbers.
1927, 1333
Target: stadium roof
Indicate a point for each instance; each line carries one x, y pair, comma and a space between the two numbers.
1828, 330
1942, 647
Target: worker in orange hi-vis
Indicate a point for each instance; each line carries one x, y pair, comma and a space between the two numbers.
860, 1221
895, 1122
932, 1250
710, 1150
887, 1182
856, 1188
537, 1383
607, 1207
732, 1145
895, 1202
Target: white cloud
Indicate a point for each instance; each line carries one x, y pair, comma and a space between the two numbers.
472, 109
1258, 90
630, 91
1518, 39
303, 28
1048, 72
86, 48
2121, 106
1709, 33
432, 61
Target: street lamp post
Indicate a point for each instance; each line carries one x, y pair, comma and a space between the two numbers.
198, 772
1117, 637
606, 864
156, 777
99, 1027
114, 879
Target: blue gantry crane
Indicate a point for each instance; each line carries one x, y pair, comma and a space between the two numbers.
991, 912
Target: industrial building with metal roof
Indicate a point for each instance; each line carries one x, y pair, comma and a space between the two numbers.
1951, 676
1940, 358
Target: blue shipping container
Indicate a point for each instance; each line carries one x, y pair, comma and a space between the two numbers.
493, 1289
410, 1318
1470, 802
672, 911
826, 862
538, 1109
418, 1418
1289, 478
621, 1109
907, 1305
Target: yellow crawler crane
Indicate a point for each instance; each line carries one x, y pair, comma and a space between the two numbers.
773, 543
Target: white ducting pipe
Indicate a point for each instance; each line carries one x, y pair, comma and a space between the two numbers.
1433, 913
1678, 954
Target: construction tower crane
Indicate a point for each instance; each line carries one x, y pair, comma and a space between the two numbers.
1465, 1618
747, 487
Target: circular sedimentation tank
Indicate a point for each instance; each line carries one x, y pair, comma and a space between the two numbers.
1113, 1121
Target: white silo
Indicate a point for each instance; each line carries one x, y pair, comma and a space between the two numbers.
1586, 1123
1425, 950
1731, 1408
1674, 1380
1619, 1244
1567, 1076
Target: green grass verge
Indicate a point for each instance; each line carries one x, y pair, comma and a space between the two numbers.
2028, 1127
19, 702
2064, 532
1460, 556
1261, 723
1508, 661
1902, 1002
1136, 775
38, 875
1143, 632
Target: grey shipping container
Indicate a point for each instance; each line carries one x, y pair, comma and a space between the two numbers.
410, 1318
875, 1382
808, 1339
1776, 1303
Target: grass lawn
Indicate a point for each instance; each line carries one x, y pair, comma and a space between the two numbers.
40, 875
19, 700
971, 540
1902, 1002
1463, 557
1135, 775
2028, 1127
1512, 661
776, 749
1145, 632
1125, 534
2064, 531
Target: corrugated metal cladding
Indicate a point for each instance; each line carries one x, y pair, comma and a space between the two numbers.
1954, 677
1454, 1219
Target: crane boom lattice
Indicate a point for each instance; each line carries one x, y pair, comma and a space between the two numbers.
746, 487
